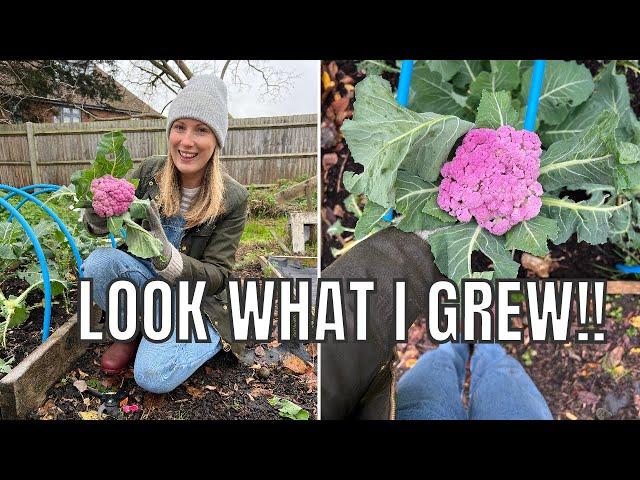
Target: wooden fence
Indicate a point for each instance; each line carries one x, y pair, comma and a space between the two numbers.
257, 150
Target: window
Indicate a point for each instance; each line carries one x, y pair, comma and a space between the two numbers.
68, 115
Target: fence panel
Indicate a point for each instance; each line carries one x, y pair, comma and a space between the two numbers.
257, 150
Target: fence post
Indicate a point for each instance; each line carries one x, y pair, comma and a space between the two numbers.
33, 154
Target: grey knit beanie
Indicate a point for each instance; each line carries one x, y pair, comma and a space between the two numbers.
204, 99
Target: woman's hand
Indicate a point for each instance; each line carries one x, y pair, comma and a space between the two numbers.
153, 225
96, 224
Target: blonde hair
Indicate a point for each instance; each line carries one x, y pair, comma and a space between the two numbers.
206, 206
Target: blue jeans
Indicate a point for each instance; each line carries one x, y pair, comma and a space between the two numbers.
159, 367
500, 388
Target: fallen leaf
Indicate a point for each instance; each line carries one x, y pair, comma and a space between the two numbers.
619, 372
588, 398
312, 349
261, 392
110, 381
86, 401
89, 415
48, 411
635, 321
249, 380
293, 363
570, 415
80, 385
411, 362
540, 266
329, 160
152, 401
259, 351
273, 344
208, 370
124, 401
635, 351
82, 374
211, 388
255, 366
288, 409
327, 83
614, 357
196, 393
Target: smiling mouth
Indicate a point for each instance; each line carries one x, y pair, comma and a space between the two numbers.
187, 155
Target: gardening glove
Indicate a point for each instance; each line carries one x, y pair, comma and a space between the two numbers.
357, 377
169, 264
94, 223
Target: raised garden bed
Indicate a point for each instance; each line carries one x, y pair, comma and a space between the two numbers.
25, 386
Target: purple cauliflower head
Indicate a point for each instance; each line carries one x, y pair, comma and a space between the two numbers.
111, 196
493, 178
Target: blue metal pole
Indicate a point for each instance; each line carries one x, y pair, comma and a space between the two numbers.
402, 97
43, 265
534, 95
54, 217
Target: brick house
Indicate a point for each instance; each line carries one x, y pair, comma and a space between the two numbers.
75, 108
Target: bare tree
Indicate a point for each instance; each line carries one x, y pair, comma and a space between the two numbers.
24, 84
164, 76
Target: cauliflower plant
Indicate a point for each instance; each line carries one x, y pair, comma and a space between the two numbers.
493, 178
111, 196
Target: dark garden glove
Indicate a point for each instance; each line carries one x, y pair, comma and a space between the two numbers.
169, 264
357, 377
95, 224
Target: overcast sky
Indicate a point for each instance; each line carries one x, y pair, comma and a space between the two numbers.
248, 100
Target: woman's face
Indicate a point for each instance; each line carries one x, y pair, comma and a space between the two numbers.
191, 144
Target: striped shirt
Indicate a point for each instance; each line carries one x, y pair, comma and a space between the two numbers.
188, 194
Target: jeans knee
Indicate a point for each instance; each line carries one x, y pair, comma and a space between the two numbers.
152, 378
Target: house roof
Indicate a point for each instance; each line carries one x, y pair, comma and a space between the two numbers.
129, 104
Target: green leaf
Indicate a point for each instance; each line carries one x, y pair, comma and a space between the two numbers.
371, 220
114, 224
6, 252
5, 365
112, 158
375, 67
531, 235
627, 176
429, 93
469, 71
138, 209
416, 199
446, 68
566, 85
504, 75
590, 219
628, 153
288, 409
81, 179
495, 110
587, 158
351, 205
611, 93
383, 136
140, 242
453, 245
338, 229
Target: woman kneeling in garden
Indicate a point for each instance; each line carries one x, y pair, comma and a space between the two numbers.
199, 213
